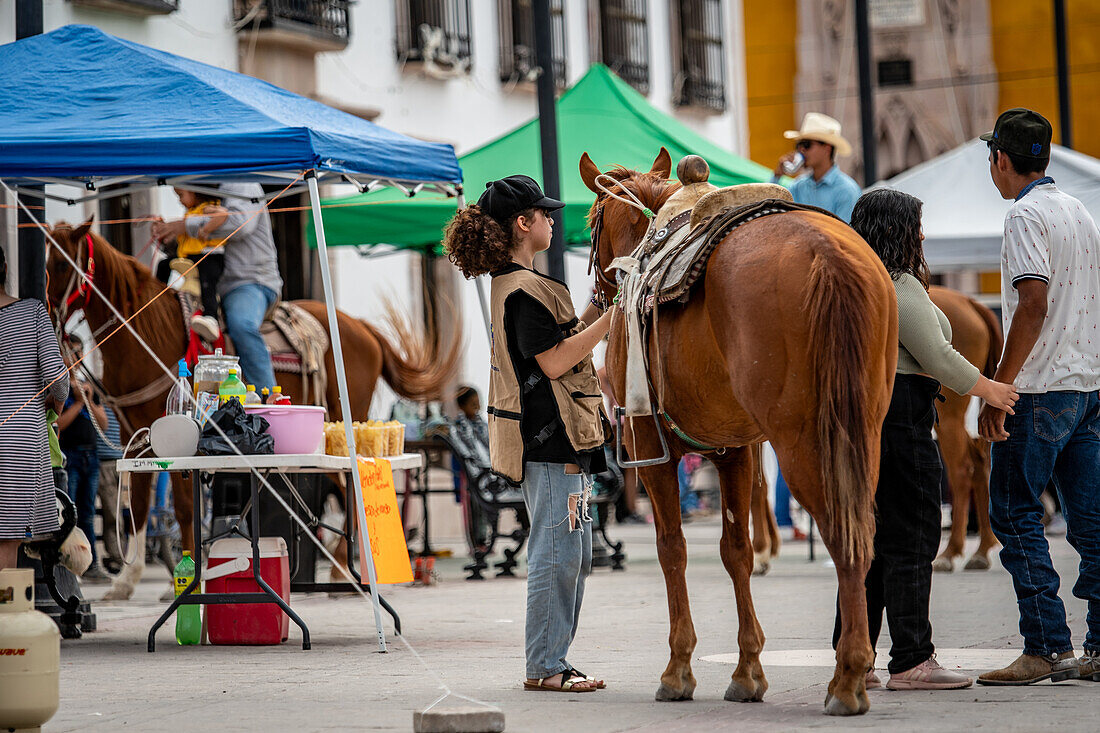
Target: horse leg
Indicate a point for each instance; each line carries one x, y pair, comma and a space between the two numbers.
854, 655
339, 573
987, 541
677, 681
761, 512
955, 447
122, 588
739, 485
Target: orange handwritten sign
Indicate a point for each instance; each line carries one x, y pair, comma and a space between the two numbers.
387, 536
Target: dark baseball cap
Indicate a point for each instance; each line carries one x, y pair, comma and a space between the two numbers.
504, 198
1022, 132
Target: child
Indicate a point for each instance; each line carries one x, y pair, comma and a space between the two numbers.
210, 266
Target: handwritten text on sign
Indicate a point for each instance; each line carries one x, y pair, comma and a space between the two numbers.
387, 536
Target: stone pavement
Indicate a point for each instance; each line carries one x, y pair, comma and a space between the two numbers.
471, 636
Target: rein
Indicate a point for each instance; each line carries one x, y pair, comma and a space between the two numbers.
84, 288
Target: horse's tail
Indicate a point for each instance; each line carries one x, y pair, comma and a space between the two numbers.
418, 370
996, 338
841, 311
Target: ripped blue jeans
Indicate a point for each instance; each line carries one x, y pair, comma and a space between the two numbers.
559, 559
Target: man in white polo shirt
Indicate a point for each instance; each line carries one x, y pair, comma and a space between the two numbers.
1050, 299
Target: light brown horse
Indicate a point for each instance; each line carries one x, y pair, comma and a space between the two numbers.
419, 373
791, 336
976, 334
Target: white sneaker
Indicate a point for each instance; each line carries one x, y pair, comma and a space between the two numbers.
206, 328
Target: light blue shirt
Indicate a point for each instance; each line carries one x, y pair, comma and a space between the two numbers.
835, 192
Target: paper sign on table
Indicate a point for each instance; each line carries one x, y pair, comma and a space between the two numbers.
387, 535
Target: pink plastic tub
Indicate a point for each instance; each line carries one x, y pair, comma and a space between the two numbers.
297, 429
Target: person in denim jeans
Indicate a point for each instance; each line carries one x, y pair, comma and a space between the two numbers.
546, 434
251, 283
1050, 282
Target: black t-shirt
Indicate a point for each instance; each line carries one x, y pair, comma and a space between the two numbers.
80, 433
531, 330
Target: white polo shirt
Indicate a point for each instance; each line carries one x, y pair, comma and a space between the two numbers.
1050, 236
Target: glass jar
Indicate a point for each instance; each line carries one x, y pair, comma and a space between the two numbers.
212, 370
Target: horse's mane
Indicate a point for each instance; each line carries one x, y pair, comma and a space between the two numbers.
130, 285
653, 191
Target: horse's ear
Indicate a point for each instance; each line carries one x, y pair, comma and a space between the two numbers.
589, 171
81, 231
662, 166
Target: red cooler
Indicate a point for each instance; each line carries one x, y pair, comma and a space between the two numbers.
248, 623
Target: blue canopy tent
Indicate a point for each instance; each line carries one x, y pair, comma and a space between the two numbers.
86, 109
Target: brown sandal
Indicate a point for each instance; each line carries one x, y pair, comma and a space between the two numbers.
568, 684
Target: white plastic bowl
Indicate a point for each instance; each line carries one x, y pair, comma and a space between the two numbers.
174, 436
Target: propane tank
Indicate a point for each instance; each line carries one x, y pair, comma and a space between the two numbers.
30, 654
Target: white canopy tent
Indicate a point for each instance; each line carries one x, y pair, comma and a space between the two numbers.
963, 212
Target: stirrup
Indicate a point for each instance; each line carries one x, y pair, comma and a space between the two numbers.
620, 412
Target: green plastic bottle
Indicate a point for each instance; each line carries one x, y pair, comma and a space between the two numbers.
188, 620
231, 388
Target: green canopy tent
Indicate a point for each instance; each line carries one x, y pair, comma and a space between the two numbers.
600, 114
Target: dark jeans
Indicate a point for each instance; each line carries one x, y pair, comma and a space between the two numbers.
82, 465
1055, 435
210, 271
907, 517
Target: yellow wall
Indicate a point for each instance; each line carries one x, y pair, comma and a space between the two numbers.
771, 63
1023, 50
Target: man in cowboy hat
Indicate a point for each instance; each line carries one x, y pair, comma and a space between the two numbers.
818, 143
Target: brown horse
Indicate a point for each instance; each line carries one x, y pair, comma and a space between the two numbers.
791, 336
421, 372
976, 334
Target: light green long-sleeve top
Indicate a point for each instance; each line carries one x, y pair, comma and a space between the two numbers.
924, 339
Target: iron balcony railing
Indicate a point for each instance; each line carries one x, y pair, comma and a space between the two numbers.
701, 78
326, 20
439, 28
624, 41
517, 41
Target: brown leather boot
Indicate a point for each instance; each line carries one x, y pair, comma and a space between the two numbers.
1088, 666
1027, 670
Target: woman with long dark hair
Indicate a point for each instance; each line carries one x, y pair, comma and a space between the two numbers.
32, 378
907, 502
546, 421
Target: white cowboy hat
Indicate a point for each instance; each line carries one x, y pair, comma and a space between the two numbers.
816, 126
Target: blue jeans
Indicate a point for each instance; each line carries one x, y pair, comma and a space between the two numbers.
559, 559
244, 308
1052, 435
782, 500
82, 465
689, 500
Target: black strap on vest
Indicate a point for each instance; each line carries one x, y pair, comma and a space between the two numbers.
543, 435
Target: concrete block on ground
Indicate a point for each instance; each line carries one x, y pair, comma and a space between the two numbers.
464, 719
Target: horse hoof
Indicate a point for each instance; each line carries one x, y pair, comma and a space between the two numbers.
943, 565
667, 694
833, 706
737, 692
168, 596
761, 567
978, 562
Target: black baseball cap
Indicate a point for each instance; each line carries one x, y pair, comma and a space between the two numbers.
504, 198
1022, 132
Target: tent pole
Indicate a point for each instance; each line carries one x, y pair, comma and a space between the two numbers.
480, 284
353, 496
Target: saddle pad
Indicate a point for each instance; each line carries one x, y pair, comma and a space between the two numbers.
671, 272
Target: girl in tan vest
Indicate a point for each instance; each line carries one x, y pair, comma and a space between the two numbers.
546, 421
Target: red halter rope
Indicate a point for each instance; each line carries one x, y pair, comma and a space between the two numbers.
85, 280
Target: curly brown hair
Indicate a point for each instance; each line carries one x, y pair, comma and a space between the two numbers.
477, 243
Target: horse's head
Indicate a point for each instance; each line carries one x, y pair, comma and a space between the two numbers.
63, 280
617, 227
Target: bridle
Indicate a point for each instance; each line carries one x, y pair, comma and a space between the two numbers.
79, 285
594, 259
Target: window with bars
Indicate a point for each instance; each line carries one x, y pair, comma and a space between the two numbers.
700, 78
517, 41
624, 40
436, 31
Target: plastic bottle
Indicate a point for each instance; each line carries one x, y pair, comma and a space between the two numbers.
277, 396
231, 389
265, 395
794, 164
179, 398
250, 397
188, 621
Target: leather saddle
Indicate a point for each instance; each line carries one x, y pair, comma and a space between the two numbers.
674, 253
